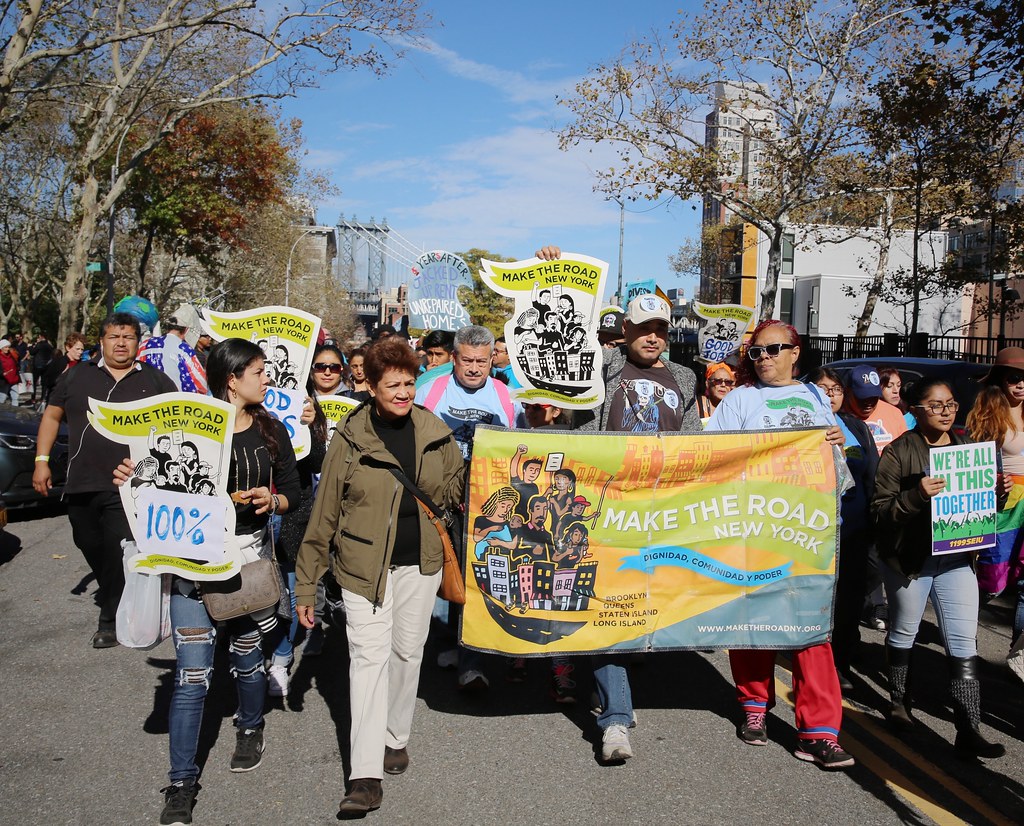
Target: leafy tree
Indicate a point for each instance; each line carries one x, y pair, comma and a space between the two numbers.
796, 70
154, 62
194, 193
486, 307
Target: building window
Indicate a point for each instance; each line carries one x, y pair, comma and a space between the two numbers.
787, 253
786, 305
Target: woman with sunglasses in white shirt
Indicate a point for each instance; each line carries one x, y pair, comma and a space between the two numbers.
768, 397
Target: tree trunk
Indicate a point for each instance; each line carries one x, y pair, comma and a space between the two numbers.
73, 291
771, 276
915, 312
884, 243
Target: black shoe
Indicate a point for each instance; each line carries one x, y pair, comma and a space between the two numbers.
364, 795
179, 798
970, 743
396, 761
104, 638
249, 749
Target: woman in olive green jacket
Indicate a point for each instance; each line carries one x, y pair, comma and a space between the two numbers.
387, 557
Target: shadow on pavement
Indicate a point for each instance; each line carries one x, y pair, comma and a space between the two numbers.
10, 546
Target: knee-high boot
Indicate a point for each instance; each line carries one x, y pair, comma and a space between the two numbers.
966, 693
899, 694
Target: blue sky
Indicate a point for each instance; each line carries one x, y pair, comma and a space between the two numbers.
456, 146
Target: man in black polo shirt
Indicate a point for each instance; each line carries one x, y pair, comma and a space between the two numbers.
98, 521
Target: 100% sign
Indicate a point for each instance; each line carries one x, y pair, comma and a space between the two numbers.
180, 524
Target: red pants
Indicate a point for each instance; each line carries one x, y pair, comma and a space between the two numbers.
819, 702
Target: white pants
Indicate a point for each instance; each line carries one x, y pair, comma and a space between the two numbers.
385, 651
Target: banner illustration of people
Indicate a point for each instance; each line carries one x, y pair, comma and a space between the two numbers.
723, 334
287, 337
552, 335
177, 504
594, 542
434, 292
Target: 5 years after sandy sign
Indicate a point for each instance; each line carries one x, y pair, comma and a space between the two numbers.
176, 501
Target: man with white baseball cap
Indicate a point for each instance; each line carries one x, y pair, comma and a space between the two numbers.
643, 394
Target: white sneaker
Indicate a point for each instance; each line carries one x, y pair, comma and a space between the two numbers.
448, 659
473, 681
615, 744
277, 681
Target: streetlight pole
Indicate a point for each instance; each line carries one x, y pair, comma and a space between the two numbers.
288, 267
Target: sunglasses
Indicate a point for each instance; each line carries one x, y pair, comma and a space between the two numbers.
326, 367
772, 350
536, 406
722, 382
1013, 378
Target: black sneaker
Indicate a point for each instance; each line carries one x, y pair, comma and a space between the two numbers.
179, 798
826, 753
248, 750
752, 731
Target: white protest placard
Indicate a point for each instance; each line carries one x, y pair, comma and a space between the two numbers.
181, 524
723, 334
286, 406
964, 513
433, 300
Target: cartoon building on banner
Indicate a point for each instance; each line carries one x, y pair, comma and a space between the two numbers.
287, 337
176, 502
552, 335
433, 300
723, 334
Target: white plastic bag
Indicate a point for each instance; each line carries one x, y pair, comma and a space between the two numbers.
144, 613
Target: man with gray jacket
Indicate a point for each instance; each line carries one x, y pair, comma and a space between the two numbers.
643, 394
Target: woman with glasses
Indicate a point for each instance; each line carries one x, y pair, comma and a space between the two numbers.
901, 508
719, 379
768, 397
997, 417
855, 537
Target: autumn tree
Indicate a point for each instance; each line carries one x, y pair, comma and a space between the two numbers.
193, 195
791, 73
160, 60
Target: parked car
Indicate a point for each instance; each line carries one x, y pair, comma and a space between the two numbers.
965, 376
18, 429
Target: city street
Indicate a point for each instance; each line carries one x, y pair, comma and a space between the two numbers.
85, 733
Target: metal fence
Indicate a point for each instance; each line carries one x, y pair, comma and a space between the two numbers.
978, 349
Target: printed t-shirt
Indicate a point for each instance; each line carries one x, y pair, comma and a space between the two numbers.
886, 423
647, 400
462, 410
764, 407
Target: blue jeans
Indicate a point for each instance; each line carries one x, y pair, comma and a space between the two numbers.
284, 652
953, 588
195, 640
612, 682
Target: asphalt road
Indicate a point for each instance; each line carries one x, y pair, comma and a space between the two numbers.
84, 734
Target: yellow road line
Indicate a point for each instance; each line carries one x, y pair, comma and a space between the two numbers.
895, 780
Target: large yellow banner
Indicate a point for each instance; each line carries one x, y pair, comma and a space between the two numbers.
587, 542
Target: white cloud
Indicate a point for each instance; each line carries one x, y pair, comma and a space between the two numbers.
517, 87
